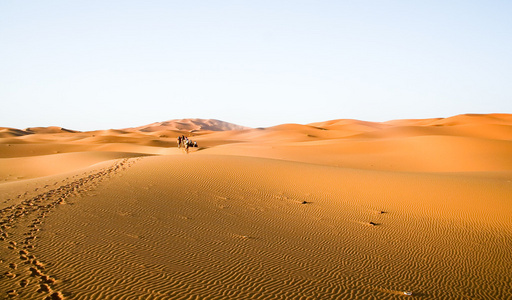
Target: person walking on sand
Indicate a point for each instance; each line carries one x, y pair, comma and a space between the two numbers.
186, 147
179, 142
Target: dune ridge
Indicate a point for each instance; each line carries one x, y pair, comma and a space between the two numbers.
190, 125
341, 209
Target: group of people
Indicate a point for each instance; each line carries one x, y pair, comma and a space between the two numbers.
186, 143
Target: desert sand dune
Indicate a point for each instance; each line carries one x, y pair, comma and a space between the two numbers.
351, 124
51, 129
190, 125
6, 132
39, 166
13, 149
489, 131
475, 119
342, 209
411, 154
412, 122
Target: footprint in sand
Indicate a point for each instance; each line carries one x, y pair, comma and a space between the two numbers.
12, 293
55, 296
38, 264
43, 287
47, 279
35, 272
24, 282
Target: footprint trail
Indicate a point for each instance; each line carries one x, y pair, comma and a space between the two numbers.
22, 274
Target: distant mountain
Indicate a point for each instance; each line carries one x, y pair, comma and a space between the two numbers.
190, 125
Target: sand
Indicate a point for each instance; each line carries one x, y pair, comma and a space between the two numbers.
342, 209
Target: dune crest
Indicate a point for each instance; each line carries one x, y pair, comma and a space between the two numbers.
51, 129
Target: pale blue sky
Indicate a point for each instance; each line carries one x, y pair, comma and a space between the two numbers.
111, 64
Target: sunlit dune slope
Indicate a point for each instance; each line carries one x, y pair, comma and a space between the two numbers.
415, 154
471, 144
38, 166
176, 227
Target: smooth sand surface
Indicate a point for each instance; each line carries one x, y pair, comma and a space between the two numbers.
342, 209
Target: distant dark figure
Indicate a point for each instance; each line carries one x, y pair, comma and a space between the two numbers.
186, 147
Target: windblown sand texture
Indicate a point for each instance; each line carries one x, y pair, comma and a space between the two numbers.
342, 209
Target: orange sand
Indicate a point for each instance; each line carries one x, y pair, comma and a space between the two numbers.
341, 209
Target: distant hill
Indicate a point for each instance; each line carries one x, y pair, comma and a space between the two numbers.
51, 129
13, 132
190, 125
6, 132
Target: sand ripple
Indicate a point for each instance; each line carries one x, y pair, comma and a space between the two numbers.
172, 234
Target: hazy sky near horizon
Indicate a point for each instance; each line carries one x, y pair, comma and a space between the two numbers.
92, 64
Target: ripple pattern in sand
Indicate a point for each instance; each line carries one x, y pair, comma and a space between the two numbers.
181, 235
24, 274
